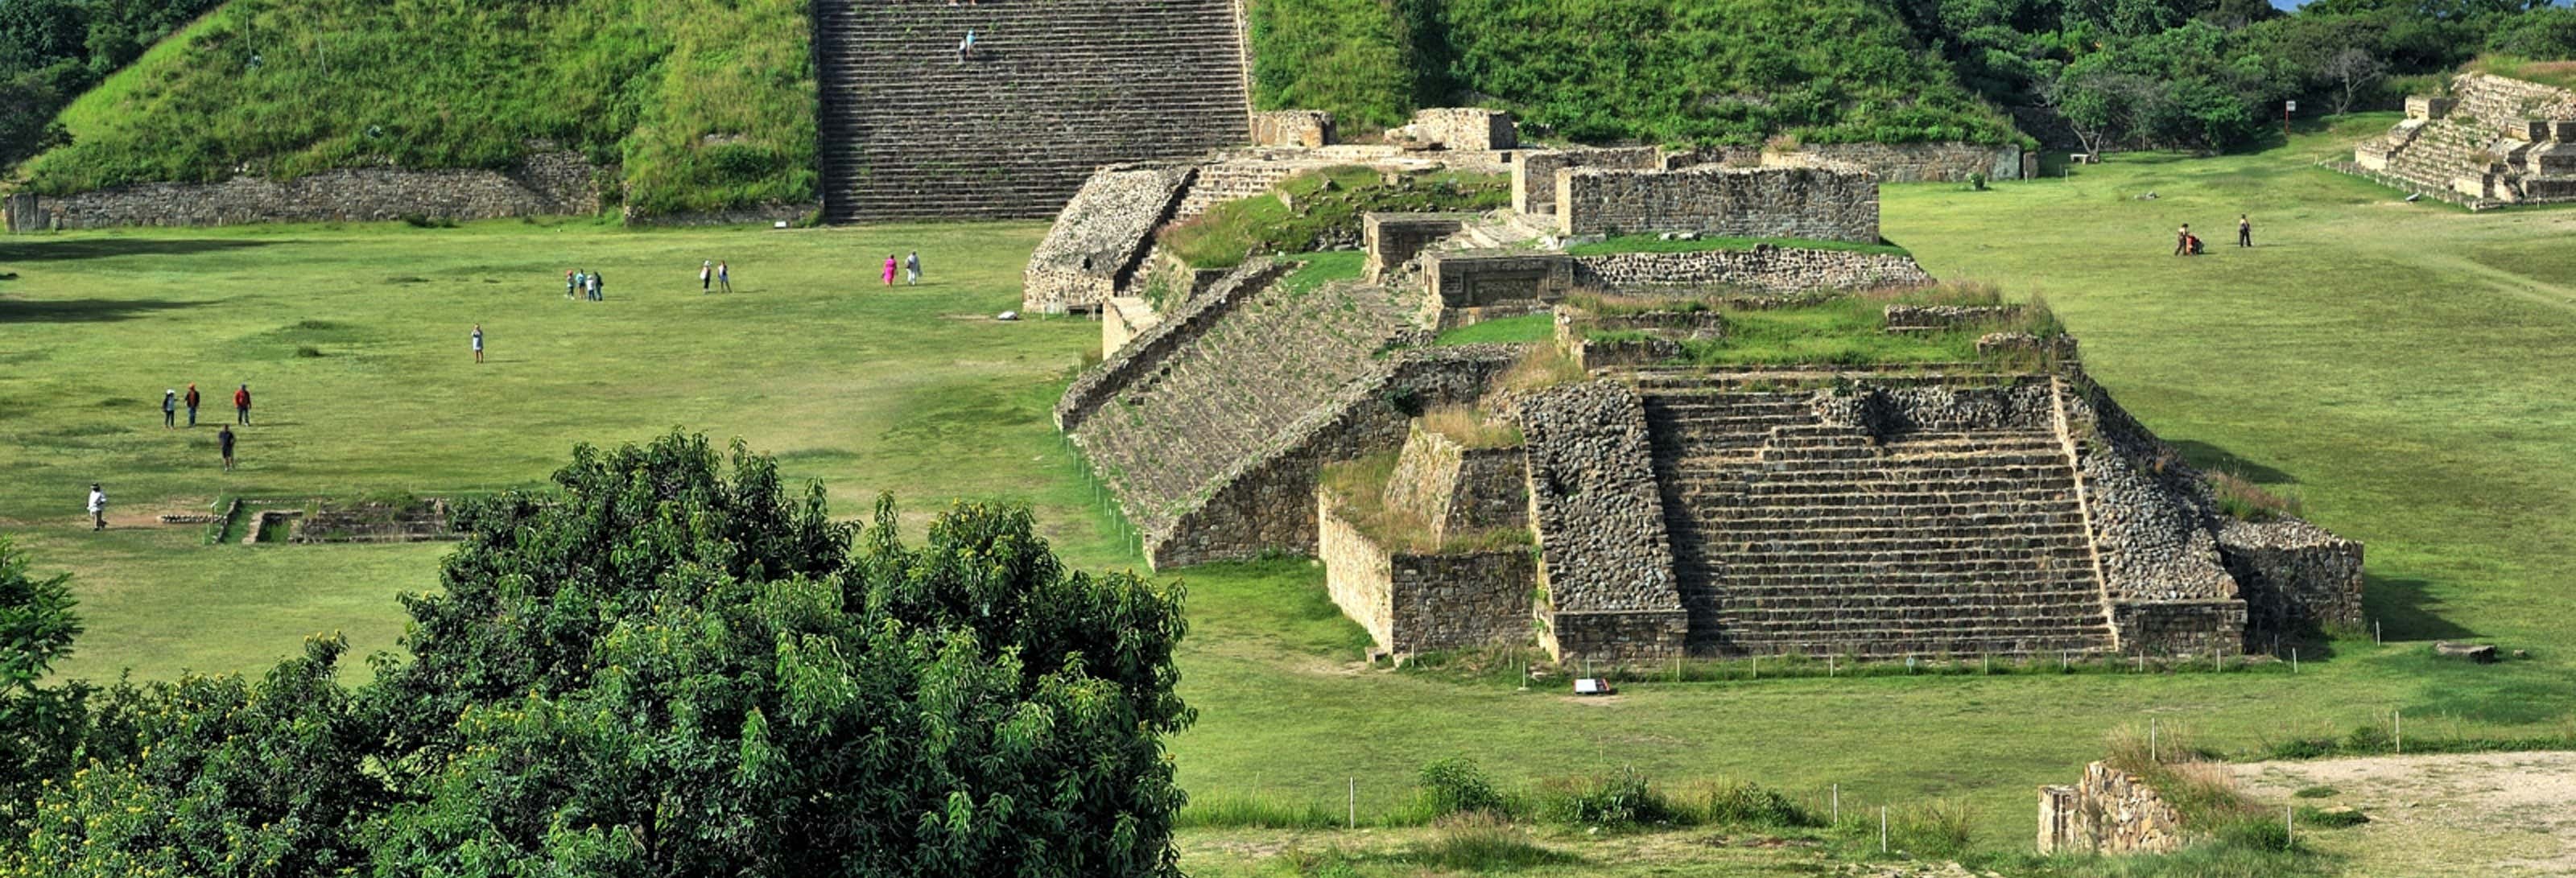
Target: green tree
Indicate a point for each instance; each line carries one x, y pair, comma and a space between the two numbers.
41, 726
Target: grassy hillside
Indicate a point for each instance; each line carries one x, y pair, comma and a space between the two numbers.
1731, 71
701, 104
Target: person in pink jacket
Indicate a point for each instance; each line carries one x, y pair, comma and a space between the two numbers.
889, 270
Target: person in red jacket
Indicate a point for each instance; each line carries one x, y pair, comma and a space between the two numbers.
241, 404
192, 399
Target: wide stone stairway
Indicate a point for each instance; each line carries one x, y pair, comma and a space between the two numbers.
1793, 536
1229, 395
1053, 90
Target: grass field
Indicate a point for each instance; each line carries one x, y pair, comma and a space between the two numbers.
2396, 366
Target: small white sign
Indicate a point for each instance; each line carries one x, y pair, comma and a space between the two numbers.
2294, 106
1587, 686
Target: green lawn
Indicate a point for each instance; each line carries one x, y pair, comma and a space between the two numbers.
2394, 365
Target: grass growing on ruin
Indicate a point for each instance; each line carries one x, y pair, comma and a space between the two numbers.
1312, 210
1506, 330
703, 104
1655, 244
1323, 268
2558, 73
1852, 330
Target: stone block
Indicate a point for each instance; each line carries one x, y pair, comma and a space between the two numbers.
1393, 239
1534, 172
1311, 129
1761, 269
1098, 239
2297, 579
2193, 628
2109, 812
1461, 128
1820, 203
1472, 278
2428, 107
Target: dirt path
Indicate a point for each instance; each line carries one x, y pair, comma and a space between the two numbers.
2485, 814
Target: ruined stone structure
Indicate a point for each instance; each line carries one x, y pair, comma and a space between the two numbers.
2493, 141
1459, 128
2108, 812
1303, 128
545, 183
1052, 92
1084, 259
1662, 509
1819, 203
1943, 162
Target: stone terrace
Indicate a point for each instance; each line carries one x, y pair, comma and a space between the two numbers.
1229, 389
1791, 533
1055, 90
2499, 141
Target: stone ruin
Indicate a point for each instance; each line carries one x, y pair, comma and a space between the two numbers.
2492, 141
1637, 507
2109, 811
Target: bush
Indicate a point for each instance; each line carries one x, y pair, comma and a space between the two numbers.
1480, 843
2332, 818
1745, 804
1941, 828
1618, 800
1456, 786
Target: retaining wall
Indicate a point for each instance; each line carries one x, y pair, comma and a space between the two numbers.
1096, 242
1762, 269
1534, 172
1420, 602
1950, 161
2297, 579
545, 183
2109, 812
1604, 556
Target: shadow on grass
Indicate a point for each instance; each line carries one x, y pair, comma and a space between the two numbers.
2215, 459
2404, 612
101, 248
83, 310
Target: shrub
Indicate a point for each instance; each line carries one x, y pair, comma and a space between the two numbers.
1479, 842
2316, 792
1940, 828
1618, 800
2332, 818
1456, 785
2241, 499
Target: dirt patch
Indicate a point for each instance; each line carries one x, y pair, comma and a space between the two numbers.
2487, 814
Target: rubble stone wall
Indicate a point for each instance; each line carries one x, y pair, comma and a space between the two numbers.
1097, 241
2109, 812
1466, 279
1304, 128
1606, 560
2297, 578
1942, 162
1534, 171
1393, 239
544, 183
1819, 203
1463, 128
1767, 270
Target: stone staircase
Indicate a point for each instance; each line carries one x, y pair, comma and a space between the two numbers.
2443, 151
1054, 90
1793, 536
1230, 394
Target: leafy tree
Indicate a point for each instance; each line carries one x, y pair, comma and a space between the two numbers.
669, 666
2542, 35
2352, 70
40, 726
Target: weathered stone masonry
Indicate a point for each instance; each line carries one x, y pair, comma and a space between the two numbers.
1825, 204
1605, 561
545, 183
2109, 812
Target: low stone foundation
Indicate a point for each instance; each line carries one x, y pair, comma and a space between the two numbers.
1817, 203
1421, 602
1941, 162
1310, 129
1393, 239
543, 184
2109, 812
759, 215
2180, 628
1534, 172
1471, 278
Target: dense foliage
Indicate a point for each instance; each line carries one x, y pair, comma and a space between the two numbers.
668, 669
1734, 71
52, 50
699, 104
2204, 74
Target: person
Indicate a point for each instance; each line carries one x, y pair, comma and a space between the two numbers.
706, 274
478, 342
241, 404
912, 268
2191, 245
2182, 241
224, 441
889, 270
580, 285
724, 277
97, 507
572, 282
2244, 231
595, 294
966, 47
192, 399
169, 409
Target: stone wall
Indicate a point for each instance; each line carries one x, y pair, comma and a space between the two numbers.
1762, 269
1302, 128
1821, 203
2509, 106
1474, 278
1459, 490
1604, 556
1393, 239
2196, 628
1266, 503
1460, 128
757, 215
1122, 319
1930, 318
2297, 579
1948, 162
544, 183
2151, 515
1098, 239
2109, 812
1534, 172
1421, 602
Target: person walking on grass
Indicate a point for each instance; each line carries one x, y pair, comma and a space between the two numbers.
2182, 241
2244, 231
192, 399
724, 277
912, 268
572, 282
706, 275
169, 409
97, 507
224, 442
889, 270
478, 342
241, 405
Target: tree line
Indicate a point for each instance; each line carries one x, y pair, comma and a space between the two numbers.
666, 665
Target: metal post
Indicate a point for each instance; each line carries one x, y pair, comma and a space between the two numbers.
1757, 667
2374, 633
1829, 664
1882, 829
2289, 828
2294, 660
1354, 801
1838, 804
2151, 740
2401, 730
